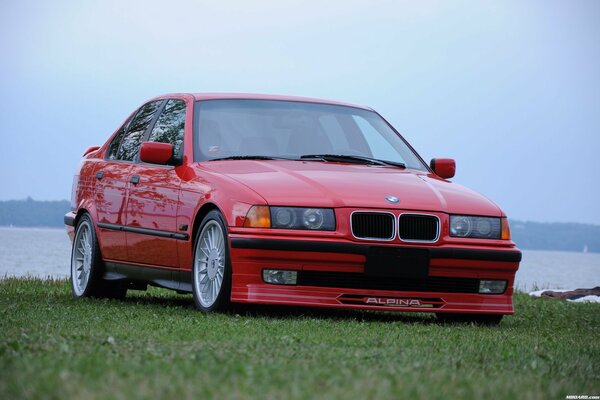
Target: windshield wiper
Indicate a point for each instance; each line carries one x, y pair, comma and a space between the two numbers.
352, 159
325, 157
250, 158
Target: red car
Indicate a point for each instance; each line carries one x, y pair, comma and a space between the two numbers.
242, 198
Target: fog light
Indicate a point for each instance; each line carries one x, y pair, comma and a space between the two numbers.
280, 276
492, 287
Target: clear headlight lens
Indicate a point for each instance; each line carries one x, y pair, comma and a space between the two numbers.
313, 218
466, 226
322, 219
283, 217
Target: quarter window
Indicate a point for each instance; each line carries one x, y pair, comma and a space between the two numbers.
169, 127
113, 148
130, 145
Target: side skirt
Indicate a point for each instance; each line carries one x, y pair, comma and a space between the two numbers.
180, 281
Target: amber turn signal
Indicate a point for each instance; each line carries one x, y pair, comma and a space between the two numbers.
505, 229
258, 217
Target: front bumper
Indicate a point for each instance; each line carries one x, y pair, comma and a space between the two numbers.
69, 220
332, 274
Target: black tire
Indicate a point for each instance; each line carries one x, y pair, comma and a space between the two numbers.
479, 319
87, 266
211, 262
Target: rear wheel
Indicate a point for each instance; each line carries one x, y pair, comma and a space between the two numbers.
211, 280
480, 319
86, 265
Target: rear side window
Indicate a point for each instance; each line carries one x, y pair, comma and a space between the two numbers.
170, 126
113, 148
130, 146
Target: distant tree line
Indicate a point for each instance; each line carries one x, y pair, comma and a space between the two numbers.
556, 236
33, 213
527, 235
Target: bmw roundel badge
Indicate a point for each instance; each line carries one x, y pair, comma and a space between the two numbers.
392, 199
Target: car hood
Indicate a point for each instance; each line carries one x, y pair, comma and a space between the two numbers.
328, 184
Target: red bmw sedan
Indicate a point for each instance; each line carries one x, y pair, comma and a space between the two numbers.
240, 198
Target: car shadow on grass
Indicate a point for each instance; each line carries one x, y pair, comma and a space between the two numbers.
285, 312
289, 312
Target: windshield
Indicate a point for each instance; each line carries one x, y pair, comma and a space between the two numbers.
292, 129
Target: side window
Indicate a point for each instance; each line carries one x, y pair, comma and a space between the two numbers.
170, 126
130, 145
113, 148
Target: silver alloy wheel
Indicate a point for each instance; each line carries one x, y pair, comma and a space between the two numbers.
209, 263
81, 258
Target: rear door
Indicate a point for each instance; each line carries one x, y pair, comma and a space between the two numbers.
154, 195
112, 182
111, 190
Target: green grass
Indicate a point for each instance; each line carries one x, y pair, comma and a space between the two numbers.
156, 345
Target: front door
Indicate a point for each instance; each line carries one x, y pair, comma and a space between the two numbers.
152, 211
153, 199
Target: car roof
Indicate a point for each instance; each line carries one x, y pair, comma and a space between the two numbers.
256, 96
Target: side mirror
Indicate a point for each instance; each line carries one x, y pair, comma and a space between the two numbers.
443, 167
156, 153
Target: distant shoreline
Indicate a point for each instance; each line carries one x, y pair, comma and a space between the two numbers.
49, 228
548, 236
55, 228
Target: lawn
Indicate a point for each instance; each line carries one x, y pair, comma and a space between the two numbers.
156, 345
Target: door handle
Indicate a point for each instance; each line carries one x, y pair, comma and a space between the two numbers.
135, 179
100, 174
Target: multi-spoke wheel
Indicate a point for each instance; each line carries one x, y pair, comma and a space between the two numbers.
86, 265
81, 258
211, 271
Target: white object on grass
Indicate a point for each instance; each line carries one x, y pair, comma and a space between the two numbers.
586, 299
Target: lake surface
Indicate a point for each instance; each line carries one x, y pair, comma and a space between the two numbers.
45, 253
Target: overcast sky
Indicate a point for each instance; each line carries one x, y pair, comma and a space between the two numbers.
511, 90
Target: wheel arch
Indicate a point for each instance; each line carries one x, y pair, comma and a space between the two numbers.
200, 214
88, 209
79, 214
85, 205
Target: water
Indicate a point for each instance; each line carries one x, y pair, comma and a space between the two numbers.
41, 252
541, 269
46, 253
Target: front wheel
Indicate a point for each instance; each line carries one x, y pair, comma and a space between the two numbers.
211, 280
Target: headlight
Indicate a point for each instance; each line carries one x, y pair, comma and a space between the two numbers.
466, 226
321, 219
316, 219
